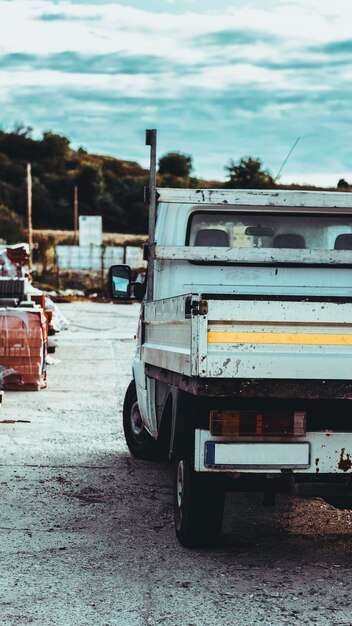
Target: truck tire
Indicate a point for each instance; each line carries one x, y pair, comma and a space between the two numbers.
140, 443
198, 506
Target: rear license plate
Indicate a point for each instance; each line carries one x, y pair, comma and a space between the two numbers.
258, 455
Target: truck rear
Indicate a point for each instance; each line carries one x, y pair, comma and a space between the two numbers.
244, 360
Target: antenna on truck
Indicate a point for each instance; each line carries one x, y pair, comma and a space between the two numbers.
150, 140
286, 159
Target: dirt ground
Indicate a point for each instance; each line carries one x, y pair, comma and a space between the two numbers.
87, 534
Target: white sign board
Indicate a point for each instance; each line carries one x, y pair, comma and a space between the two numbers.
90, 230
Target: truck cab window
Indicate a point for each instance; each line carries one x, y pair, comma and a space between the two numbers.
237, 229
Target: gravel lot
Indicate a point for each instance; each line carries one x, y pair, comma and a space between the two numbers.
87, 533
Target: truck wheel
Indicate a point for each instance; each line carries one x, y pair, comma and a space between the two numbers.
198, 506
139, 441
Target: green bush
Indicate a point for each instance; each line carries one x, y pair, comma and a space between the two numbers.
11, 227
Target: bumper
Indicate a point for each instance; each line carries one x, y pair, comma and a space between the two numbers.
316, 453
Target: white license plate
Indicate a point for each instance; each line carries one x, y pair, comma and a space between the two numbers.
257, 455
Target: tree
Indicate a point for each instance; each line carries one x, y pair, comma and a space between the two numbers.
54, 146
90, 183
248, 174
22, 130
175, 163
343, 184
11, 227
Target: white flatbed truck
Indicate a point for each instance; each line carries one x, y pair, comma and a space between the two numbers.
243, 366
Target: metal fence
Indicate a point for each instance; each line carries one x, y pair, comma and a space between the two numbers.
98, 258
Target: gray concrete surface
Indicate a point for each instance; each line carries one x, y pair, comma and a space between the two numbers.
87, 533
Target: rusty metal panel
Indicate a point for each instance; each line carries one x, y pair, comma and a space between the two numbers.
166, 309
245, 339
256, 197
273, 256
251, 388
273, 339
330, 453
195, 346
202, 356
294, 311
255, 455
168, 334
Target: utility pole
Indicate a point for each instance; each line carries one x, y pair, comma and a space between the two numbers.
29, 212
75, 214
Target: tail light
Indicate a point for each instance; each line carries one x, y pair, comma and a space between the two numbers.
258, 423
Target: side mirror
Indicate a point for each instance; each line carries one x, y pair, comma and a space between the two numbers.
120, 282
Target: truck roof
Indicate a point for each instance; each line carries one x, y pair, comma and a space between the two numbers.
256, 197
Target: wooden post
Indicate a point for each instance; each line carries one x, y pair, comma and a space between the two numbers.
102, 273
151, 141
75, 214
29, 212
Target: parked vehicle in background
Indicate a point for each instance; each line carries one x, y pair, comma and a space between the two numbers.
243, 365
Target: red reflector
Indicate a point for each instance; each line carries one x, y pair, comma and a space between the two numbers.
258, 424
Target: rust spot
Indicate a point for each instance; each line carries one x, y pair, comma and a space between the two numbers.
317, 466
345, 463
200, 191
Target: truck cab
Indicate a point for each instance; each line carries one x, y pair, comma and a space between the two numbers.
243, 367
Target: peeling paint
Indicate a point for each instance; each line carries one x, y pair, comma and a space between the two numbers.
345, 462
201, 192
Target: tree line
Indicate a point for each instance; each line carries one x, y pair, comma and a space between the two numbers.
106, 186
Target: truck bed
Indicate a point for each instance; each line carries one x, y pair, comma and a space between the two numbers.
244, 338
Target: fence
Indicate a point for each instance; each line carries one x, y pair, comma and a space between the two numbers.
99, 259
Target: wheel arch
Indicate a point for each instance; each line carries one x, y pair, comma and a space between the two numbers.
182, 427
175, 434
165, 426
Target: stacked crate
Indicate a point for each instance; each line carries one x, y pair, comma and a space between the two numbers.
23, 344
12, 287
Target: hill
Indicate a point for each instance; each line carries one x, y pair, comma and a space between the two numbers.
106, 186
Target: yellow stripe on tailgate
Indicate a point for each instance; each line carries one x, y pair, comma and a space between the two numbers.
325, 339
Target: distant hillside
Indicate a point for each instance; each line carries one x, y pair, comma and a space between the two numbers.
106, 186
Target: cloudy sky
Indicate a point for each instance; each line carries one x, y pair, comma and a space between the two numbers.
219, 79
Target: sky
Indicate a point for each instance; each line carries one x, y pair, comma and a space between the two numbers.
219, 80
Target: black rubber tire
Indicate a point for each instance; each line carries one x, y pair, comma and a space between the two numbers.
140, 443
198, 506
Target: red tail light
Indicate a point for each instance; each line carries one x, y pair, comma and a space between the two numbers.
258, 423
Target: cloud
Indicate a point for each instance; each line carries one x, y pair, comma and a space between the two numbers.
232, 37
338, 47
60, 17
75, 63
306, 62
244, 121
242, 80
